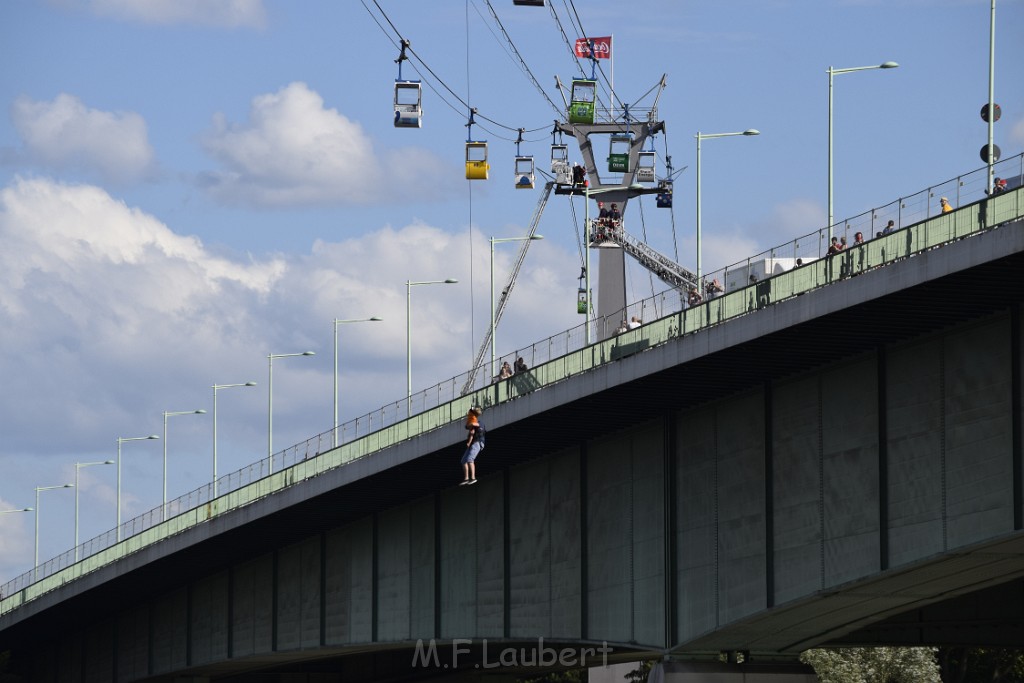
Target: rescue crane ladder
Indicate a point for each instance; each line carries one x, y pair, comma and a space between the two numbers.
499, 307
662, 266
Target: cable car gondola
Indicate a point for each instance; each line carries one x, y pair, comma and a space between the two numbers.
524, 173
618, 152
476, 160
664, 197
524, 166
645, 167
408, 104
581, 107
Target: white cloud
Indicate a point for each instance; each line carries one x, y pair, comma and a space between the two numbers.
216, 13
294, 151
65, 134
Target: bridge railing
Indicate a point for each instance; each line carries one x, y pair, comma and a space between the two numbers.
551, 360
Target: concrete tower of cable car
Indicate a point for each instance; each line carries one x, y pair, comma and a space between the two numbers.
626, 166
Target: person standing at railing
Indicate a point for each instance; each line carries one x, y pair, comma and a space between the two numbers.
890, 227
944, 203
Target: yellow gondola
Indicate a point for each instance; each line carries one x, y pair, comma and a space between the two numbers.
476, 160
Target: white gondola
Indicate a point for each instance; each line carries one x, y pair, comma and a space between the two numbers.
645, 167
408, 104
560, 164
524, 173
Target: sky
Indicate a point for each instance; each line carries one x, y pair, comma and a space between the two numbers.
187, 186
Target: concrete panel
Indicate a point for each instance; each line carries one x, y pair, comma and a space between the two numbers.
796, 487
458, 562
914, 421
649, 534
979, 458
530, 550
209, 616
490, 557
98, 653
849, 414
696, 530
421, 561
393, 592
741, 507
170, 632
349, 584
298, 595
133, 644
544, 553
567, 546
252, 600
610, 538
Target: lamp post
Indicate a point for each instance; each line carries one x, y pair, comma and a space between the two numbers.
215, 388
832, 72
498, 240
78, 466
167, 414
270, 402
35, 563
121, 440
707, 136
409, 284
334, 432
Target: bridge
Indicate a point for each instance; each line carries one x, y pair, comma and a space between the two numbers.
831, 455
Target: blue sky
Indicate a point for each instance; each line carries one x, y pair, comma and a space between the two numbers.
189, 185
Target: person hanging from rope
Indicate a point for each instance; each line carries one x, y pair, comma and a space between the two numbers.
474, 444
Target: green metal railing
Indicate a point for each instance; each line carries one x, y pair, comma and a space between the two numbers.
553, 360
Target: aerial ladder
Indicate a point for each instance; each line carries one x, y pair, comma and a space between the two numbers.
513, 274
667, 270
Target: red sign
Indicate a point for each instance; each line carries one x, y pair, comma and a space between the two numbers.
602, 47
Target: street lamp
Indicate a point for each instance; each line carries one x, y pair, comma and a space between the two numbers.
215, 388
831, 74
121, 440
374, 319
498, 240
35, 564
270, 402
78, 466
409, 284
707, 136
167, 414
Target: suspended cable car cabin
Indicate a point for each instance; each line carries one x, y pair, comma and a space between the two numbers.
664, 198
408, 104
618, 152
645, 167
524, 173
581, 107
560, 164
476, 160
528, 3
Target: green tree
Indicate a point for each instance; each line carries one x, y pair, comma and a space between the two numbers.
874, 664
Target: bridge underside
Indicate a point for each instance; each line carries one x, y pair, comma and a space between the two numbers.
813, 473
